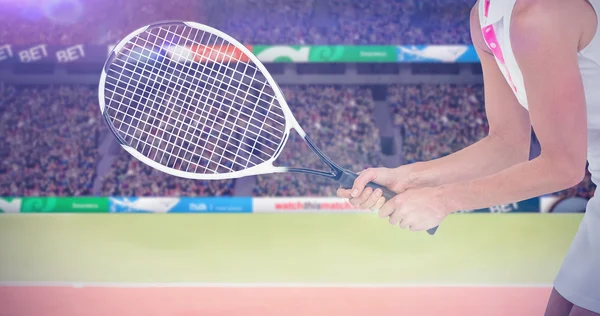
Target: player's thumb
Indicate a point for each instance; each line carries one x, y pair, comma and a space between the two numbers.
366, 176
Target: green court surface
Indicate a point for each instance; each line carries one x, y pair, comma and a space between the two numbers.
469, 249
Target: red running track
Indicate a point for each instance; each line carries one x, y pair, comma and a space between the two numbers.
264, 301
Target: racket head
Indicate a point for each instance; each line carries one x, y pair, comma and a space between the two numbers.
193, 102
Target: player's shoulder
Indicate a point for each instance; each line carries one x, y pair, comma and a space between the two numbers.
533, 11
540, 12
547, 18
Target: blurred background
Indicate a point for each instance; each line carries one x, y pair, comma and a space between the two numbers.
404, 72
374, 83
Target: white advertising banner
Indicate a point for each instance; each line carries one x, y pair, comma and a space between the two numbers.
303, 204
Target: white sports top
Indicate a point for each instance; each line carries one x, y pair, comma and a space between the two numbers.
579, 277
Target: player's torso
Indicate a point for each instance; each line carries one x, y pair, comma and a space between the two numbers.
495, 17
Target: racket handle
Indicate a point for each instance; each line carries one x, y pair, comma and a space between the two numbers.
347, 181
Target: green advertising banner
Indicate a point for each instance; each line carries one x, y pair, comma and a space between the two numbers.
294, 53
64, 205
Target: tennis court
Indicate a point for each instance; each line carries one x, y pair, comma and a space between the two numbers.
271, 300
278, 264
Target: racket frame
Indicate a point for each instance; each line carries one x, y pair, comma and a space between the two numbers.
344, 177
265, 167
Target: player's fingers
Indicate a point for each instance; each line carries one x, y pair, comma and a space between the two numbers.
396, 217
362, 180
387, 209
417, 227
372, 200
366, 193
392, 205
407, 222
343, 193
378, 205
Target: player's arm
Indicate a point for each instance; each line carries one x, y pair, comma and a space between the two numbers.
506, 144
508, 140
545, 42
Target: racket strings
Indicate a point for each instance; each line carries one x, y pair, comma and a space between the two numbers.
176, 123
214, 116
212, 85
246, 122
243, 74
167, 149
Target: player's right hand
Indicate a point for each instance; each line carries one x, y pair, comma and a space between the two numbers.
396, 179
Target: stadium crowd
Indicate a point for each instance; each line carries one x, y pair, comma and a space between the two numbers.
50, 140
71, 22
348, 137
351, 22
48, 144
129, 177
437, 120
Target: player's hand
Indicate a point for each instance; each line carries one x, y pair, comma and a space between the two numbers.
416, 209
397, 179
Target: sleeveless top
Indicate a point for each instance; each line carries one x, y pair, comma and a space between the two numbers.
579, 277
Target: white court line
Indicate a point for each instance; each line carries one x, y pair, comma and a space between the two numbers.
261, 285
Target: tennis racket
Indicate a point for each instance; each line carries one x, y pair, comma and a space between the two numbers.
191, 101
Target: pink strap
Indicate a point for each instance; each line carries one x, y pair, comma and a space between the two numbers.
489, 35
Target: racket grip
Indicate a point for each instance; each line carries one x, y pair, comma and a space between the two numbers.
347, 181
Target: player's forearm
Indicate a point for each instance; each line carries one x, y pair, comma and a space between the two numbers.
488, 156
519, 182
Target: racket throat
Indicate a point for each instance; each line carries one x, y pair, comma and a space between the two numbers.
323, 157
346, 178
329, 175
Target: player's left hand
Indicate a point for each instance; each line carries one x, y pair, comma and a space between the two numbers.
417, 209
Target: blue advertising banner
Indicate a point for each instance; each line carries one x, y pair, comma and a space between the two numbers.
437, 54
180, 205
526, 206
